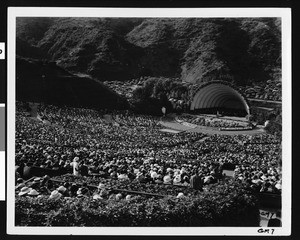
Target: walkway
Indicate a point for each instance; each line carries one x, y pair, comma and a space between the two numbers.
262, 100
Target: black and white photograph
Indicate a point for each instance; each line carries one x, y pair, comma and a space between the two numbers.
149, 121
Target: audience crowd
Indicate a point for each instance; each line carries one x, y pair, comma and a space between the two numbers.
107, 147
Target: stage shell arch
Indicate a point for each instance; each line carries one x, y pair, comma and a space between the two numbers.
219, 94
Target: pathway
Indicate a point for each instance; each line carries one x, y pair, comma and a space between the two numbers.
267, 101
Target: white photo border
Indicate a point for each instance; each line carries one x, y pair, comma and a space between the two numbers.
283, 13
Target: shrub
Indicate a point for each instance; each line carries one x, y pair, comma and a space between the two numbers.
225, 204
274, 128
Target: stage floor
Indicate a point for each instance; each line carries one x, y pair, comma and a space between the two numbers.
208, 130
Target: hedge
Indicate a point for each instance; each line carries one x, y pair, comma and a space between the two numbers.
225, 204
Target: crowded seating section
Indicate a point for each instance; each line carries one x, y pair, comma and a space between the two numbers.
102, 151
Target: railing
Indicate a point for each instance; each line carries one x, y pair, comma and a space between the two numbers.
121, 190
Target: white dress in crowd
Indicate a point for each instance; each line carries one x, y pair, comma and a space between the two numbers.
75, 165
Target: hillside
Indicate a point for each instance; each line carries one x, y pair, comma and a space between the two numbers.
43, 81
195, 50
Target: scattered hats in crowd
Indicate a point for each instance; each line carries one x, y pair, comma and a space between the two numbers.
177, 179
61, 189
24, 191
119, 196
97, 196
128, 197
37, 180
167, 179
154, 175
33, 192
180, 195
55, 195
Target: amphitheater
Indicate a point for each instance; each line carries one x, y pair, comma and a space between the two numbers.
214, 102
120, 160
219, 95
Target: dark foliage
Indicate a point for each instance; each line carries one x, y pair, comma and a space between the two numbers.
222, 205
274, 128
43, 81
153, 95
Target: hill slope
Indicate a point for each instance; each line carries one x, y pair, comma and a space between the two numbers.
42, 81
196, 50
